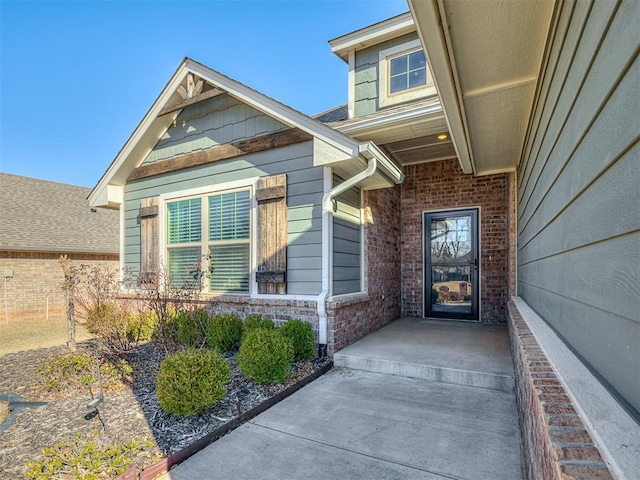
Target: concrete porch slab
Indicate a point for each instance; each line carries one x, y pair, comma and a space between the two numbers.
460, 353
357, 425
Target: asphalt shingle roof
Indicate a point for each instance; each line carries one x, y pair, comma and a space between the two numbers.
38, 215
336, 114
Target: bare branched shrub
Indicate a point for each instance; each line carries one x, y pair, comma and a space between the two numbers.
168, 297
118, 321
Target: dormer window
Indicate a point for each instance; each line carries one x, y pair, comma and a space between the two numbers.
403, 74
407, 71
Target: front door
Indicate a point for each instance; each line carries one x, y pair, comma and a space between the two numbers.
451, 264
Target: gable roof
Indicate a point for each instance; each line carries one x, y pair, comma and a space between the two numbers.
161, 115
43, 216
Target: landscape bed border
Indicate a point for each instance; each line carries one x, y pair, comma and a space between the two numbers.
165, 464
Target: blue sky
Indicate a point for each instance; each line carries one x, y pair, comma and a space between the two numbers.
76, 77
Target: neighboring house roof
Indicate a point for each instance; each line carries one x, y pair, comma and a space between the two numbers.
337, 148
43, 216
485, 59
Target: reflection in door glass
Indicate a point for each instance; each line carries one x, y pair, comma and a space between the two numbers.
450, 239
451, 289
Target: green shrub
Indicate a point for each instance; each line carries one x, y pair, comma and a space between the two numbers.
188, 328
192, 380
301, 335
118, 328
78, 369
256, 321
84, 457
224, 332
265, 356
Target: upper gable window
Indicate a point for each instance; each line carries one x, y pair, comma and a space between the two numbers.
404, 75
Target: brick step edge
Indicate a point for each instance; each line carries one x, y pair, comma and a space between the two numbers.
165, 464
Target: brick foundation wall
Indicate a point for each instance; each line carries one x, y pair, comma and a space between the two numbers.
353, 318
556, 444
278, 310
442, 186
37, 277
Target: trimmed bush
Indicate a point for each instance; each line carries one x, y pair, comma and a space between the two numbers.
224, 332
188, 328
265, 356
253, 322
301, 335
192, 380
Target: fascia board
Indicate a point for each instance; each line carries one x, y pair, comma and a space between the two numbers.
123, 164
407, 116
371, 35
428, 23
152, 127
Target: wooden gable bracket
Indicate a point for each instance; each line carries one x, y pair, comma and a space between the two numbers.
191, 95
271, 272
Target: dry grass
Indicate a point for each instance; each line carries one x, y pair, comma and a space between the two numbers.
33, 333
4, 411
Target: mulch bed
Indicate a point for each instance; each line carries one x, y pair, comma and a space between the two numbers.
131, 413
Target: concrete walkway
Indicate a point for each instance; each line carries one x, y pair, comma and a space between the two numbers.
356, 424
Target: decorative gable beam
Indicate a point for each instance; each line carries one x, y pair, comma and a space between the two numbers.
222, 152
214, 92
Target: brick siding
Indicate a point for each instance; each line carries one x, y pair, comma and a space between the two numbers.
278, 310
37, 278
556, 444
442, 186
353, 318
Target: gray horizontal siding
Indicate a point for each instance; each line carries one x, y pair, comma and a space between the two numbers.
579, 192
347, 242
366, 74
216, 121
304, 197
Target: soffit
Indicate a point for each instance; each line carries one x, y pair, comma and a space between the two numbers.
493, 51
409, 132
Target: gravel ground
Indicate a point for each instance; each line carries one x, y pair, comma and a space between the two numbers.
132, 412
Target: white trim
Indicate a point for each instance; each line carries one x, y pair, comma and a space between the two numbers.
381, 121
351, 82
611, 426
152, 127
424, 255
361, 296
364, 280
327, 238
215, 190
385, 98
433, 40
373, 34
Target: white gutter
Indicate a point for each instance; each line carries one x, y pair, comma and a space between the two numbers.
376, 159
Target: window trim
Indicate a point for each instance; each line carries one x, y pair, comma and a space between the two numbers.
386, 99
204, 192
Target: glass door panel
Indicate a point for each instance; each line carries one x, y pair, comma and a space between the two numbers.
451, 264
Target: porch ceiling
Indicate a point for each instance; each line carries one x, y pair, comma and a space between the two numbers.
408, 133
485, 57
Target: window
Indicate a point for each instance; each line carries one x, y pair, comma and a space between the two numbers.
210, 233
403, 74
407, 71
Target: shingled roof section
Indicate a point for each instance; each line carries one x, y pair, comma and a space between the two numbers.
336, 114
43, 216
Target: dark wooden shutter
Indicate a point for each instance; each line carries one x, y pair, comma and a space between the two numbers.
271, 195
149, 237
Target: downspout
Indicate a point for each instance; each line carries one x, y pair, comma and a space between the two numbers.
327, 214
